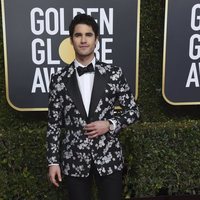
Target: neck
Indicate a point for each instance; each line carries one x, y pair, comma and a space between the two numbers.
85, 60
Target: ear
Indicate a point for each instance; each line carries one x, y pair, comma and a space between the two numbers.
97, 39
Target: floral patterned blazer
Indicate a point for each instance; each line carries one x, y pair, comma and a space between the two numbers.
66, 143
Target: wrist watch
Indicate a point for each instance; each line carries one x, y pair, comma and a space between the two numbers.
111, 127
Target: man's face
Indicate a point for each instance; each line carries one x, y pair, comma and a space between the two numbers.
84, 41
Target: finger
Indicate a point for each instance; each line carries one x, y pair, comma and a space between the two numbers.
55, 182
59, 176
92, 124
91, 133
89, 128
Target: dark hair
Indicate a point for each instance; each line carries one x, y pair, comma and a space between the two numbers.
83, 19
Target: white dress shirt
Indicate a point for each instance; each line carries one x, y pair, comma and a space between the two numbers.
85, 83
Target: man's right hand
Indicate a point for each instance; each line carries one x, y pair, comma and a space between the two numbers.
55, 174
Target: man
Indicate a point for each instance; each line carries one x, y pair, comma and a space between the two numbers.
82, 99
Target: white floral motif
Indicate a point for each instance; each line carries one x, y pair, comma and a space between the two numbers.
53, 159
59, 86
115, 76
101, 116
107, 159
101, 142
67, 169
112, 87
70, 72
99, 106
68, 154
53, 148
102, 70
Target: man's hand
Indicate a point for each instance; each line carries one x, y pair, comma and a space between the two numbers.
54, 174
97, 128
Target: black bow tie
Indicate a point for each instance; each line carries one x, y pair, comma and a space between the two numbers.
83, 70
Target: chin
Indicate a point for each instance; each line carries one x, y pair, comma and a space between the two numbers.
85, 54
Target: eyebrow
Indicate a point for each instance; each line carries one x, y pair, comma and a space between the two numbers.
87, 34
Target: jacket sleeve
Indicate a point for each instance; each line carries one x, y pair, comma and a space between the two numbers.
54, 121
130, 112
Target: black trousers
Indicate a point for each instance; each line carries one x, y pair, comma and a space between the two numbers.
108, 187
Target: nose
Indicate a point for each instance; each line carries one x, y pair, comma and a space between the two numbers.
83, 39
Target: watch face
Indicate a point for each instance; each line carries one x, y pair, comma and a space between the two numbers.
111, 127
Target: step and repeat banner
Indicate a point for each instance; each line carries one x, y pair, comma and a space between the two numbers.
37, 44
181, 62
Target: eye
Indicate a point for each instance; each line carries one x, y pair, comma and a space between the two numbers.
89, 34
77, 34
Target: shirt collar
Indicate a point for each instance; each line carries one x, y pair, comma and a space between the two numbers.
76, 63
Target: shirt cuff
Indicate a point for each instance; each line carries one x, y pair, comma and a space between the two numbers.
114, 124
53, 164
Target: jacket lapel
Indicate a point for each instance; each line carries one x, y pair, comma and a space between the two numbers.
98, 90
73, 89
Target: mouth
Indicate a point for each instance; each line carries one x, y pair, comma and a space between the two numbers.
84, 46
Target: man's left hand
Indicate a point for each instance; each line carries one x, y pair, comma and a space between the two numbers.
97, 128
